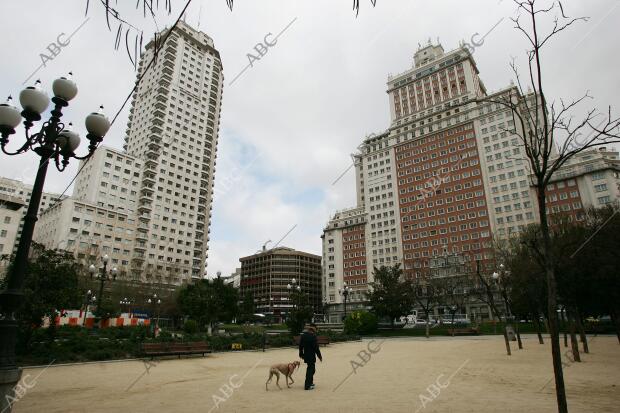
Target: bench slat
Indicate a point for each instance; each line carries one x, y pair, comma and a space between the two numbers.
198, 347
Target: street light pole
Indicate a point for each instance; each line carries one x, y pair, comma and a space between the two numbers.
154, 301
345, 293
103, 276
87, 301
54, 141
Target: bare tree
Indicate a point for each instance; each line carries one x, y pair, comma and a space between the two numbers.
550, 137
455, 291
486, 290
426, 295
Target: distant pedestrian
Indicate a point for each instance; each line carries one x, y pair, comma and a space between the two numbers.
309, 351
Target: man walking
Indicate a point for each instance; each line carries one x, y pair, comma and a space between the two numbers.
308, 351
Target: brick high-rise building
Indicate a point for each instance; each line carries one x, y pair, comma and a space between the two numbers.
447, 177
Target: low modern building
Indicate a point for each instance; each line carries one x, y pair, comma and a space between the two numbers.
267, 274
21, 192
344, 252
233, 279
10, 219
88, 231
590, 179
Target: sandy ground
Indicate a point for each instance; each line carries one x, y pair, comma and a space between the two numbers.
402, 375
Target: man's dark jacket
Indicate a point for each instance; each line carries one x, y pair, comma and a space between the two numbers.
309, 347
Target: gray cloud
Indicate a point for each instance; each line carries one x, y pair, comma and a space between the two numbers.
309, 101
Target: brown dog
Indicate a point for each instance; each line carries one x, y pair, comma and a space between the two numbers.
286, 369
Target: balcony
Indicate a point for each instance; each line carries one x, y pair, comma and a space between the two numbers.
154, 143
145, 207
156, 129
170, 53
149, 179
137, 259
163, 89
145, 217
140, 246
151, 165
163, 82
159, 113
168, 63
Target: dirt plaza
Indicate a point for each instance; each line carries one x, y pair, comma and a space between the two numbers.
443, 374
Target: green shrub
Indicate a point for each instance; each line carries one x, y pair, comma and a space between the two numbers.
360, 322
190, 327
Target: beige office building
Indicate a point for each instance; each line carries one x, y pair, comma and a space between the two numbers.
173, 127
21, 192
149, 207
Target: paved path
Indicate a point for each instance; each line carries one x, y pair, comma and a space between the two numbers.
463, 374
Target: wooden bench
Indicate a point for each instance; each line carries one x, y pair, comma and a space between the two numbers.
175, 349
464, 331
322, 340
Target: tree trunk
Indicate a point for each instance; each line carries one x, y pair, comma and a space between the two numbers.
538, 329
428, 327
552, 305
582, 332
616, 322
564, 324
518, 334
452, 324
574, 344
508, 352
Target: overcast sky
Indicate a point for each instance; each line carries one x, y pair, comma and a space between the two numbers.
291, 121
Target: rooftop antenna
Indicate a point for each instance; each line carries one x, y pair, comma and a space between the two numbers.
199, 15
265, 245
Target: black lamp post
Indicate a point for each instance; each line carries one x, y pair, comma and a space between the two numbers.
345, 293
292, 287
325, 311
89, 299
103, 277
125, 302
152, 302
54, 141
499, 280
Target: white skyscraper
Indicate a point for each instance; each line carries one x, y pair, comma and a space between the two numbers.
173, 127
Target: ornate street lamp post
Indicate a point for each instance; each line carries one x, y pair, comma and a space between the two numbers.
54, 141
125, 302
345, 292
503, 286
325, 312
152, 302
103, 277
88, 300
292, 287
